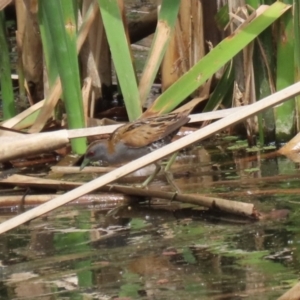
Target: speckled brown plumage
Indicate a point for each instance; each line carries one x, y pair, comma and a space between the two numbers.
135, 139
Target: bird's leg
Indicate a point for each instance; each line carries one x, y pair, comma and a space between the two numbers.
168, 173
152, 176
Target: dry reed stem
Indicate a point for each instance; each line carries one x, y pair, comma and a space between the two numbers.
196, 136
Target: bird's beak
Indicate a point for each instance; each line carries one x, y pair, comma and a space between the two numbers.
85, 162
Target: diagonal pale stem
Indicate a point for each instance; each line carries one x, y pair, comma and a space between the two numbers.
198, 135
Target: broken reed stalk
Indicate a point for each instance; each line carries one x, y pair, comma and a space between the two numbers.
11, 123
234, 207
12, 148
196, 136
91, 199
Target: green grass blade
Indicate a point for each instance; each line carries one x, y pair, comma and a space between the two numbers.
264, 75
121, 55
297, 54
48, 46
221, 90
7, 93
62, 25
215, 59
285, 113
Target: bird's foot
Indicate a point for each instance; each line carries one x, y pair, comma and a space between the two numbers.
145, 184
171, 181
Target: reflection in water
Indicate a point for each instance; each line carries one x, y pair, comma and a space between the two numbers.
160, 249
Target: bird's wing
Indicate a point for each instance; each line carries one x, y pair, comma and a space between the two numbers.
146, 131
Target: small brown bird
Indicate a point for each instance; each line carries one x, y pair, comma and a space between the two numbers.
136, 139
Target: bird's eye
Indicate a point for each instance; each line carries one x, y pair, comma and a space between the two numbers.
91, 153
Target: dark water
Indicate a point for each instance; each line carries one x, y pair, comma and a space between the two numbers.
165, 250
